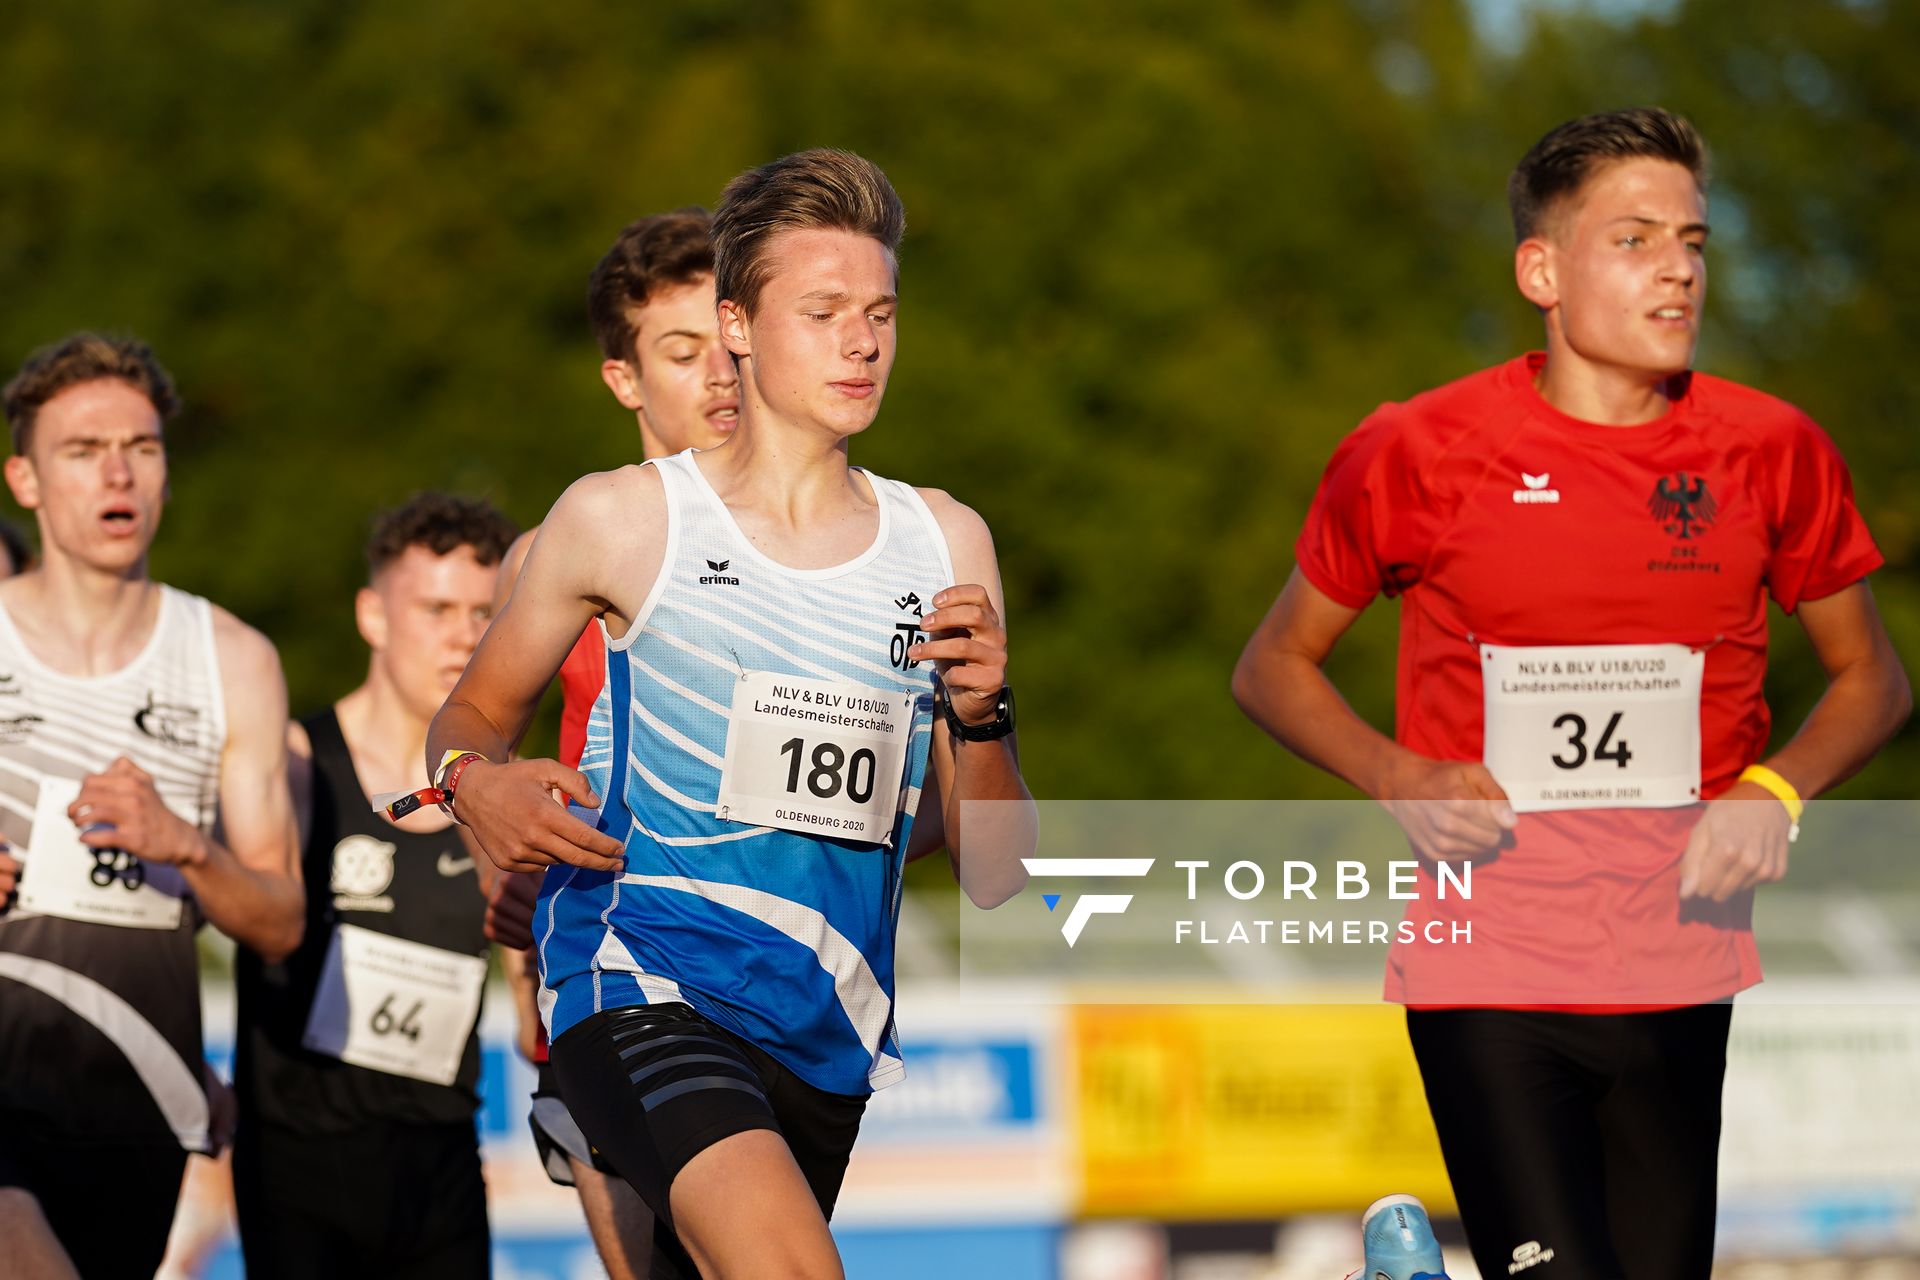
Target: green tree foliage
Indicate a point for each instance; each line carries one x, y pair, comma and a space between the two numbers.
1161, 256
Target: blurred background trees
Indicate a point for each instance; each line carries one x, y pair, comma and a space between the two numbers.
1160, 257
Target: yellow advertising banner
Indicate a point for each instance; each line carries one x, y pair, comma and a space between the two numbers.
1220, 1111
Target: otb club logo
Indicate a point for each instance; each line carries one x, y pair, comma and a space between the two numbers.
906, 634
1087, 905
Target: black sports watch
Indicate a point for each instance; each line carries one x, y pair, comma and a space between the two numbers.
992, 731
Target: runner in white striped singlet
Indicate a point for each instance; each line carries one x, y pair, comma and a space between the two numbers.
135, 720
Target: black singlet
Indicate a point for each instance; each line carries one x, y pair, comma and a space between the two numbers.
418, 887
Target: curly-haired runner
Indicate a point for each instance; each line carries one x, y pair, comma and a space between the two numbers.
358, 1057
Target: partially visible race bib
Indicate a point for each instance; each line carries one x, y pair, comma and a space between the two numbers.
821, 757
66, 878
395, 1006
1609, 726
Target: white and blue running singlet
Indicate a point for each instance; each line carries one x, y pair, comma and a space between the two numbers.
782, 936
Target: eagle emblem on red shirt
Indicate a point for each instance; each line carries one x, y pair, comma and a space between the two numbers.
1682, 504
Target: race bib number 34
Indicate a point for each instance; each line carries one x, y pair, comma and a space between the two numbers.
822, 757
396, 1006
1613, 726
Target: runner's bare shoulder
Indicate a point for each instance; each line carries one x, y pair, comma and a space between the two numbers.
627, 503
607, 535
969, 541
248, 660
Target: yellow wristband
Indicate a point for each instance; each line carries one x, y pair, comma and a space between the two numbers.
1777, 787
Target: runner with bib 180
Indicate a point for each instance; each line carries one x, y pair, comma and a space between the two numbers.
717, 955
1583, 543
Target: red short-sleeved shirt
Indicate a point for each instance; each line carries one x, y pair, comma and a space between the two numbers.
1494, 517
581, 676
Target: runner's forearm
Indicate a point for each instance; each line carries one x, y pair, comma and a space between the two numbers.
987, 849
461, 726
1290, 697
262, 912
1864, 705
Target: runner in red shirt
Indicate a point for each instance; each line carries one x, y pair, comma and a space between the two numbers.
653, 311
1583, 543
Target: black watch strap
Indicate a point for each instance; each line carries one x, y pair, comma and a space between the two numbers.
999, 727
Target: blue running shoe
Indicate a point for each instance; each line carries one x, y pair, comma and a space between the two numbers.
1399, 1240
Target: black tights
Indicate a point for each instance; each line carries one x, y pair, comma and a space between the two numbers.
1595, 1136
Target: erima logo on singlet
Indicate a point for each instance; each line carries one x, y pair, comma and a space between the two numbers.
719, 577
9, 686
16, 729
167, 722
1534, 489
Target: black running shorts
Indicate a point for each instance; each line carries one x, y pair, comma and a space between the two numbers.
111, 1207
388, 1200
652, 1086
1590, 1141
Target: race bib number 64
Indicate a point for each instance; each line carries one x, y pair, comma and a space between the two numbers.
822, 757
394, 1005
1613, 726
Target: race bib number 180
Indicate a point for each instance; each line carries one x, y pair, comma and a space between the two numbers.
1613, 726
822, 757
